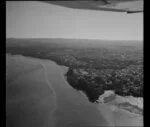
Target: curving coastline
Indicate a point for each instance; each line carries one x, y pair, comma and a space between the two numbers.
99, 95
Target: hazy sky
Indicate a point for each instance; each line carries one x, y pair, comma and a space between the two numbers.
39, 20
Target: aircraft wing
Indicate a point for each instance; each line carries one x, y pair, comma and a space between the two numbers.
129, 6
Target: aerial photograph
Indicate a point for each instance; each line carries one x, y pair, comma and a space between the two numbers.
74, 63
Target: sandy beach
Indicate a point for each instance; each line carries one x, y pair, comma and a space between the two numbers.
37, 95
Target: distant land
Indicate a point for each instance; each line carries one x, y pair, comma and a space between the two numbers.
79, 39
94, 65
80, 43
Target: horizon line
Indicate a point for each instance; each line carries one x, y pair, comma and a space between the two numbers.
68, 38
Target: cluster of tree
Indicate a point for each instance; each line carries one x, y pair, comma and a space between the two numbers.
91, 90
123, 83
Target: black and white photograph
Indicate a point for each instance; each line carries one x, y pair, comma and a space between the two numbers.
74, 63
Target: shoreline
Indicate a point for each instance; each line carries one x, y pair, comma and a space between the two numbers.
120, 103
125, 99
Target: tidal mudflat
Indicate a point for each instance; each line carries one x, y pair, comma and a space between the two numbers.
37, 95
